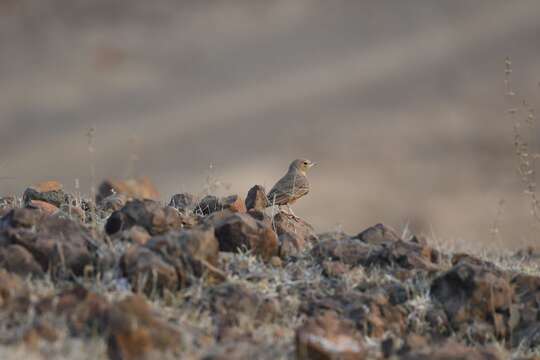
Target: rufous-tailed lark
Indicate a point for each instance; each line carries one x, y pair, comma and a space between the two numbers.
292, 186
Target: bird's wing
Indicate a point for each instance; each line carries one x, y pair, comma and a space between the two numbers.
290, 187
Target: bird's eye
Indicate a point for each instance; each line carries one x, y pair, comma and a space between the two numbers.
305, 162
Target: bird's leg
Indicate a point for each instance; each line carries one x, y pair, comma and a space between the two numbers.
291, 214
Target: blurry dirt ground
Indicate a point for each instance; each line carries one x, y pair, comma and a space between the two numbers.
401, 103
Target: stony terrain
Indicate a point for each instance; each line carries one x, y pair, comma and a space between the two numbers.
126, 277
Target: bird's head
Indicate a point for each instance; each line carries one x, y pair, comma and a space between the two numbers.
302, 165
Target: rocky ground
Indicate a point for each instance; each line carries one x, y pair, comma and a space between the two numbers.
127, 277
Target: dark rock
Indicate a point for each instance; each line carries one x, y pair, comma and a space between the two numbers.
51, 192
256, 198
208, 205
183, 202
349, 251
326, 336
241, 231
44, 207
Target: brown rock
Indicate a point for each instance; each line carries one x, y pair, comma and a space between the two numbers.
193, 253
113, 202
241, 231
141, 188
256, 198
290, 244
16, 259
51, 192
147, 271
136, 333
139, 235
282, 223
13, 291
230, 302
455, 351
45, 207
210, 204
20, 218
471, 292
58, 242
334, 268
328, 337
148, 214
347, 250
379, 234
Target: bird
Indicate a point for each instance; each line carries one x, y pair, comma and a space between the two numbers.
292, 186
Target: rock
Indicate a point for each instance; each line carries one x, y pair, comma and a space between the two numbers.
234, 203
45, 207
334, 268
350, 251
183, 202
231, 302
237, 350
524, 313
148, 214
290, 244
208, 205
51, 192
13, 291
371, 311
139, 235
58, 243
134, 332
113, 202
141, 188
470, 291
326, 336
304, 233
147, 271
211, 203
379, 234
276, 262
453, 350
20, 218
256, 198
16, 259
172, 260
241, 231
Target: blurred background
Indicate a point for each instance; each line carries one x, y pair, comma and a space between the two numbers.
400, 102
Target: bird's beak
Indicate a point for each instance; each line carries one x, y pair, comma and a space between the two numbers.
312, 164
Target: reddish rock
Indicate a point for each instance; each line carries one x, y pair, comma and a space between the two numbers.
51, 192
18, 260
241, 231
327, 336
234, 203
45, 207
139, 235
134, 332
334, 268
290, 244
141, 188
256, 198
